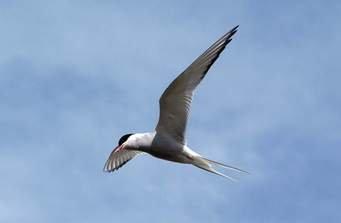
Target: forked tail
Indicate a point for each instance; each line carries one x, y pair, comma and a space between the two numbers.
209, 165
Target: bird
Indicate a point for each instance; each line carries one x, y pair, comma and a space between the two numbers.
168, 141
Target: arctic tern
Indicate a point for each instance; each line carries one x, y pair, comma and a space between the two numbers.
168, 142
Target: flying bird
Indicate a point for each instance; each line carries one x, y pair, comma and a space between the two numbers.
168, 142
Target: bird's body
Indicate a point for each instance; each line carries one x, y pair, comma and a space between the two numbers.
160, 146
165, 147
168, 142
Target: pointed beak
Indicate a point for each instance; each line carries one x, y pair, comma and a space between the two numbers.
118, 148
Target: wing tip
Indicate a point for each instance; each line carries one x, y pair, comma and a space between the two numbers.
227, 38
232, 32
107, 169
119, 158
234, 29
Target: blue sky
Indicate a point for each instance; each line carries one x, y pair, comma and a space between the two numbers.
76, 75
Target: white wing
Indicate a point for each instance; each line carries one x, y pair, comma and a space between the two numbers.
175, 102
118, 158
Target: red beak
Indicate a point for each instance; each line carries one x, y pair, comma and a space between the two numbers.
118, 148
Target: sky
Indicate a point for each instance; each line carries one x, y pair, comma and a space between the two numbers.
77, 75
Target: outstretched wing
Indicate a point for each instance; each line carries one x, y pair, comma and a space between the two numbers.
118, 158
175, 102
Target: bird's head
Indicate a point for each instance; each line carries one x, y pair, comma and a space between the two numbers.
123, 141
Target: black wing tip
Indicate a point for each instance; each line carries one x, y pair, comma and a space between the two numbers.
234, 29
227, 40
232, 32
